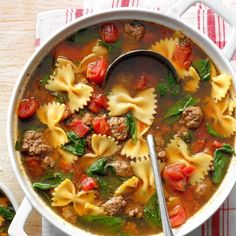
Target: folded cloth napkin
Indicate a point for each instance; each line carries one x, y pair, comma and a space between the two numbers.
223, 222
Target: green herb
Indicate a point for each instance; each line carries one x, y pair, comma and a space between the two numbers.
170, 86
152, 212
61, 97
221, 161
76, 145
7, 212
187, 136
51, 180
132, 126
110, 223
180, 106
83, 36
44, 80
162, 89
98, 167
110, 46
18, 144
212, 132
203, 68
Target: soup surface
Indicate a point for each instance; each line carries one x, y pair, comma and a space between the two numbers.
7, 213
82, 138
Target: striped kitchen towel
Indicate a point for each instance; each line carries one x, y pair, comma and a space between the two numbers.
223, 222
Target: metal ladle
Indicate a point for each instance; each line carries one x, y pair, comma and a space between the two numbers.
141, 53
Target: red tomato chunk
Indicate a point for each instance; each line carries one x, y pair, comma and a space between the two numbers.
33, 165
183, 54
79, 128
177, 216
27, 108
101, 126
109, 33
141, 83
176, 175
88, 183
96, 70
97, 103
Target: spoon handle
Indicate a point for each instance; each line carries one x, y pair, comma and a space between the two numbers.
167, 231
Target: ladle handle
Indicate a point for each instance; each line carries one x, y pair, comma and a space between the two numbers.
181, 6
167, 231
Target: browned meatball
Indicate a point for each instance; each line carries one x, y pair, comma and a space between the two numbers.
87, 118
34, 143
134, 31
119, 129
69, 213
136, 212
192, 117
122, 168
114, 205
47, 162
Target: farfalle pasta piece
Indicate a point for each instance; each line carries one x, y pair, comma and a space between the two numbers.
67, 157
102, 146
50, 114
137, 148
121, 102
177, 152
192, 83
219, 86
91, 209
65, 193
63, 80
231, 106
143, 170
166, 48
220, 114
125, 187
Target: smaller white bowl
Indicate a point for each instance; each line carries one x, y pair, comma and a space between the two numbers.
9, 195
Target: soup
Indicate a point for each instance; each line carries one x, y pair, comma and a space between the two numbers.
7, 213
82, 138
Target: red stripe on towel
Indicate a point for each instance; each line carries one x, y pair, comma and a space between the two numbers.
211, 25
215, 225
78, 13
124, 3
37, 42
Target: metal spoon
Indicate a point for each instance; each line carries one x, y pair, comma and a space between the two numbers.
159, 189
144, 53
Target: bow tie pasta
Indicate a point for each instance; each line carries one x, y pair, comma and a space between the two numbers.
121, 102
63, 80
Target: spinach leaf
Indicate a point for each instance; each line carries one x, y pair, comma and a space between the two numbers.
98, 167
162, 89
18, 143
51, 180
152, 212
76, 145
169, 87
110, 46
61, 97
132, 126
44, 80
180, 106
212, 132
221, 162
7, 212
110, 223
203, 68
84, 36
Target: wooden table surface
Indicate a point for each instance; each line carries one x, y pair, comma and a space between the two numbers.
17, 30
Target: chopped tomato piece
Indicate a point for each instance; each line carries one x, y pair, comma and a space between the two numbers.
177, 216
33, 165
64, 166
176, 175
88, 183
141, 83
79, 128
198, 145
183, 54
96, 70
109, 33
101, 126
27, 108
188, 170
97, 102
217, 144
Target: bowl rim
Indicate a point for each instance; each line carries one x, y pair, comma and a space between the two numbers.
60, 35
